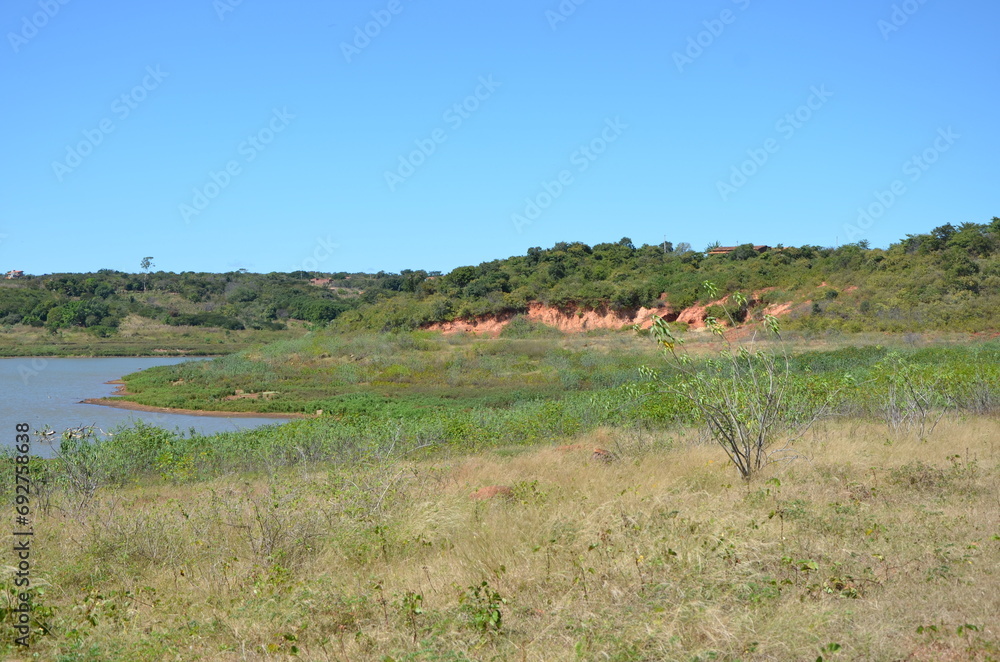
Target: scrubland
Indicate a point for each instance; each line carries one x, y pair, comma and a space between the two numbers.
866, 546
354, 535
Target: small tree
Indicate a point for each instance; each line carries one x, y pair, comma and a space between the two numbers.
743, 252
746, 395
913, 398
145, 265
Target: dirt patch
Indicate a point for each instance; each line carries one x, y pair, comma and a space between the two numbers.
779, 309
489, 325
694, 316
566, 321
119, 387
585, 320
577, 321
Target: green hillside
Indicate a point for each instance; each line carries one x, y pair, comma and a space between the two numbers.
947, 279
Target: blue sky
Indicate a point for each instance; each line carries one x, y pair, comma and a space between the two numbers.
217, 134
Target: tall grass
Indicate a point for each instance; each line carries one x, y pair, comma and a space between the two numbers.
878, 546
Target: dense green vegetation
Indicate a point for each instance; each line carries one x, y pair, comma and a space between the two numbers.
99, 302
947, 279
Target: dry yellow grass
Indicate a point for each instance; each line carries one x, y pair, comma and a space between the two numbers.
888, 547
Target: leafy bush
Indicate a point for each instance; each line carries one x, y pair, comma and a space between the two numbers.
204, 319
747, 396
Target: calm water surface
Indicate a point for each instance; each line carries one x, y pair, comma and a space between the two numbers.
44, 392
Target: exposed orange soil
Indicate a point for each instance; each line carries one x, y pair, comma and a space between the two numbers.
779, 309
586, 320
694, 316
567, 322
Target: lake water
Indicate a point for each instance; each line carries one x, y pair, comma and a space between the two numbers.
43, 392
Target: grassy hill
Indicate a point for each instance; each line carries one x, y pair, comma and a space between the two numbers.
947, 279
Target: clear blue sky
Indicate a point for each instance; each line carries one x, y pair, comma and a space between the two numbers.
182, 86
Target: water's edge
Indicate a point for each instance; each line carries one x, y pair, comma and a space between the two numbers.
135, 406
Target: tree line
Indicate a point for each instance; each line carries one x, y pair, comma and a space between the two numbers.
948, 278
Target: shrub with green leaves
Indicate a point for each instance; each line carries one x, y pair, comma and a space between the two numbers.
746, 396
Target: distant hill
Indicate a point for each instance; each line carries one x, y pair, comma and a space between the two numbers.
947, 279
100, 301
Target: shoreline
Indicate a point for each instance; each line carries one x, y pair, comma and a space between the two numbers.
116, 401
165, 355
135, 406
